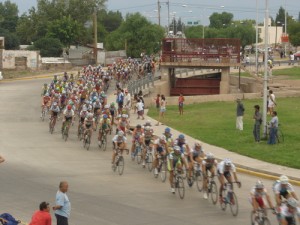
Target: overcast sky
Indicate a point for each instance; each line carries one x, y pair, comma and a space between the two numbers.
191, 10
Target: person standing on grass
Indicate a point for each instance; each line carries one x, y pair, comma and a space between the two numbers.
162, 111
180, 104
127, 103
271, 102
239, 114
273, 128
257, 123
157, 102
140, 109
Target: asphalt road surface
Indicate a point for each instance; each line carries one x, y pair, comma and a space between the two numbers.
37, 161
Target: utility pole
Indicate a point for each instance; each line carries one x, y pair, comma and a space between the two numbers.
285, 23
95, 35
168, 16
158, 11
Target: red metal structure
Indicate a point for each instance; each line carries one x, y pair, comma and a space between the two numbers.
211, 50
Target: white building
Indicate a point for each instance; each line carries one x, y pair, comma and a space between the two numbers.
275, 33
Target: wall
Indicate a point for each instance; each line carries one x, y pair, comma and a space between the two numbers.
8, 58
247, 84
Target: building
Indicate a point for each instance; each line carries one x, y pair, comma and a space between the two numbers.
275, 33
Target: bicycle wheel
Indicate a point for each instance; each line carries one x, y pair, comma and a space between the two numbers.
120, 165
138, 155
223, 204
149, 161
180, 187
252, 218
199, 180
79, 134
43, 115
104, 143
66, 133
279, 136
234, 205
88, 142
163, 171
213, 191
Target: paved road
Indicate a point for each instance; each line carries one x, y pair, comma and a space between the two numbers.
37, 161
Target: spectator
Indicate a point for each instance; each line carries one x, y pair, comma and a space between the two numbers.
163, 104
140, 109
239, 114
63, 205
42, 216
120, 100
180, 104
292, 58
127, 103
258, 120
271, 102
273, 128
157, 102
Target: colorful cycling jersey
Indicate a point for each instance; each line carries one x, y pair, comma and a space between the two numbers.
89, 122
46, 99
208, 164
221, 168
258, 194
280, 189
284, 212
138, 134
176, 157
104, 124
55, 109
182, 145
123, 123
148, 135
197, 153
69, 113
118, 139
97, 105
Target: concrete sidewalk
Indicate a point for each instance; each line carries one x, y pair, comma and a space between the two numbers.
244, 164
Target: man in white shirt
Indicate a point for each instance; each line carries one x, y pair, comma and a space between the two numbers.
127, 102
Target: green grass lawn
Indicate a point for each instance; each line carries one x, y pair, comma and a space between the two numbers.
290, 73
214, 123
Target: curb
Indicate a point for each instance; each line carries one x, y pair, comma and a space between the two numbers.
27, 78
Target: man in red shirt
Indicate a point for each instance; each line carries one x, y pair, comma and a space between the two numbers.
42, 216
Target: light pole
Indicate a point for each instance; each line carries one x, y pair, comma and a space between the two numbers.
265, 84
256, 40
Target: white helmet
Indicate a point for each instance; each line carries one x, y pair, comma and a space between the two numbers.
176, 148
284, 179
292, 202
162, 138
147, 128
90, 115
227, 162
259, 185
106, 107
120, 133
210, 156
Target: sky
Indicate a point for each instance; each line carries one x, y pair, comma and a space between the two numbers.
191, 10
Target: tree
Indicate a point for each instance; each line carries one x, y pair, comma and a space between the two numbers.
110, 20
48, 47
193, 31
138, 33
9, 16
11, 39
66, 30
219, 20
294, 33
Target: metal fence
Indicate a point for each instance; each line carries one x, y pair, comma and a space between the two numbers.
134, 86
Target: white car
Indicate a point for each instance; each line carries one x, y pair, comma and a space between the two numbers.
1, 77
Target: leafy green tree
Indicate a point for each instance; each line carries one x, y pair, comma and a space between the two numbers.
194, 31
219, 20
294, 33
110, 20
9, 15
48, 47
11, 39
65, 29
138, 34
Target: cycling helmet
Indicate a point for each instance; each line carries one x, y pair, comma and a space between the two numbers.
162, 138
227, 162
181, 136
71, 103
105, 116
95, 98
147, 128
124, 116
292, 202
176, 148
197, 144
47, 95
259, 185
112, 104
139, 126
69, 107
148, 123
120, 133
54, 103
84, 108
284, 179
90, 115
106, 107
168, 130
210, 156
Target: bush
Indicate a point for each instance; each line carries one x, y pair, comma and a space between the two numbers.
49, 47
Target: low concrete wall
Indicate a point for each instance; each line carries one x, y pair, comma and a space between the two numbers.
32, 58
247, 84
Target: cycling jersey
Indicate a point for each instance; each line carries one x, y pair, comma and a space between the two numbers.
208, 165
69, 113
104, 124
221, 168
283, 191
119, 139
285, 213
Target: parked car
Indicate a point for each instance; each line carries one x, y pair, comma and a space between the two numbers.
1, 77
297, 55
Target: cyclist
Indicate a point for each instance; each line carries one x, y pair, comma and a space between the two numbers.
175, 160
184, 147
148, 136
97, 107
209, 163
119, 140
137, 138
195, 156
257, 194
283, 189
288, 212
123, 123
68, 117
224, 169
88, 125
113, 112
105, 126
44, 89
54, 109
83, 114
45, 102
160, 146
169, 139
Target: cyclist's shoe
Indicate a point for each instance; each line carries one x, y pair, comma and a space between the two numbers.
205, 196
173, 190
144, 164
190, 182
